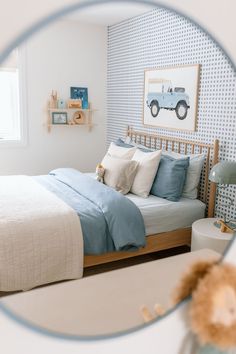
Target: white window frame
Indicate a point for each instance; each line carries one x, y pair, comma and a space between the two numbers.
23, 140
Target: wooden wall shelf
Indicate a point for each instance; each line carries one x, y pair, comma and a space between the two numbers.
71, 109
90, 126
86, 120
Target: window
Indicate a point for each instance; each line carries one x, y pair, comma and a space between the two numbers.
12, 118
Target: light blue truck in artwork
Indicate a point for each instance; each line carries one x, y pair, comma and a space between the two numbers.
162, 95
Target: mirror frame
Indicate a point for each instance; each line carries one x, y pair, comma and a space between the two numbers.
35, 28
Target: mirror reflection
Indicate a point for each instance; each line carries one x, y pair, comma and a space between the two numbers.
112, 119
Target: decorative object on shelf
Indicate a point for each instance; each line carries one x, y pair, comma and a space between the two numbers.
75, 103
61, 104
59, 118
224, 174
78, 117
171, 97
100, 171
80, 93
53, 100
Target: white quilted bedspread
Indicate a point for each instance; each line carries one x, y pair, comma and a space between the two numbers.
40, 236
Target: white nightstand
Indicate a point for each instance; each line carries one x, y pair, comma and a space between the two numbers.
206, 235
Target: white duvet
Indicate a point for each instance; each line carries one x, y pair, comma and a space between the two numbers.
40, 236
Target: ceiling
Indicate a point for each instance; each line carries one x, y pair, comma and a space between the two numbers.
109, 14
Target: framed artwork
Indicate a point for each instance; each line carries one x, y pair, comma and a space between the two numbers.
171, 97
59, 118
81, 93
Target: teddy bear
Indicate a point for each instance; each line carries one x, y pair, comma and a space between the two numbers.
212, 309
100, 171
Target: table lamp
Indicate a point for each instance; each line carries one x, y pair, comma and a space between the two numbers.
224, 174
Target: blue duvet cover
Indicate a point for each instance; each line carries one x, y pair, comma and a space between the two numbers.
109, 221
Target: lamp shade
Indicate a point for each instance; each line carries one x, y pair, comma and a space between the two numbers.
224, 173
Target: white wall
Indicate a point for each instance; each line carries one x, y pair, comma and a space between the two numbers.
64, 55
216, 16
210, 16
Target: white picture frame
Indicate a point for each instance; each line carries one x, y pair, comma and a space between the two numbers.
171, 97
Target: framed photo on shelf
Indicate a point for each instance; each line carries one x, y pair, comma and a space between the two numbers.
59, 118
171, 97
80, 93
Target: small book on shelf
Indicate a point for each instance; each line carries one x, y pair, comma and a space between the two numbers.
81, 93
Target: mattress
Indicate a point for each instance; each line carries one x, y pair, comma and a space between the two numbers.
161, 215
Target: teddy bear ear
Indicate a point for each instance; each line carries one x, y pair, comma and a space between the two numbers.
190, 280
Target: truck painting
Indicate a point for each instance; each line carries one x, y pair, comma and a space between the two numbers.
164, 96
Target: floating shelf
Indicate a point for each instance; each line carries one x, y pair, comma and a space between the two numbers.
71, 109
86, 120
90, 126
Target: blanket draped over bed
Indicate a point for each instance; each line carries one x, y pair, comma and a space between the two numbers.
44, 232
40, 236
110, 221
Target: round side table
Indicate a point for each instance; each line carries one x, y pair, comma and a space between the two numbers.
206, 235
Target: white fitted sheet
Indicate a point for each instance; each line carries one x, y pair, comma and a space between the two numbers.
161, 215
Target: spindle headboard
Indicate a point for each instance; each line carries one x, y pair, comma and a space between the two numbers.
207, 189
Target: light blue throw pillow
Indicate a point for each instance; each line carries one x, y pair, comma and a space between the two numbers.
170, 178
120, 142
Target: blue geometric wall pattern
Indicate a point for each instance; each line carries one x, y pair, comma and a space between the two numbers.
161, 38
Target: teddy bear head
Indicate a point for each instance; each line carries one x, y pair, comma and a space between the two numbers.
213, 305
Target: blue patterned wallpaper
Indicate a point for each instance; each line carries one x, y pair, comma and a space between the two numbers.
160, 38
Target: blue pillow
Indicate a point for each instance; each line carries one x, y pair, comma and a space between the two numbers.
120, 142
170, 178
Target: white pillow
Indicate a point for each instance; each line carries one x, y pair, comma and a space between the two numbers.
147, 169
119, 173
122, 152
196, 162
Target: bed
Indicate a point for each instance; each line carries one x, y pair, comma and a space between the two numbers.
140, 225
174, 235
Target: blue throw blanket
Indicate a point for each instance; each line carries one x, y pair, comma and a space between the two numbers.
109, 220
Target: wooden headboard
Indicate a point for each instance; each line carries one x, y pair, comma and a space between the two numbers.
207, 190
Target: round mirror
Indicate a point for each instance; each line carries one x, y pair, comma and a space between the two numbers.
141, 101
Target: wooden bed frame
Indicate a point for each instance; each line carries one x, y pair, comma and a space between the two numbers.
207, 191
